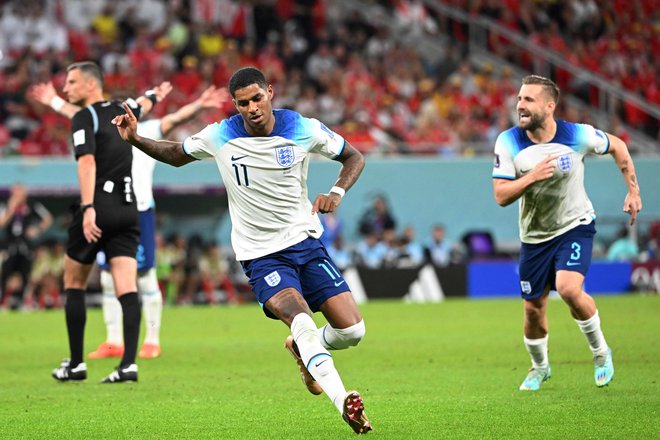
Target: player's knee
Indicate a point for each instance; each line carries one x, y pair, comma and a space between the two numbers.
569, 291
351, 336
147, 282
107, 285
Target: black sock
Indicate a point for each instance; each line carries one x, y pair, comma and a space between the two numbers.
76, 316
130, 306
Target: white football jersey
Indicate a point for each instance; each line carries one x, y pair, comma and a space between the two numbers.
266, 178
143, 166
550, 207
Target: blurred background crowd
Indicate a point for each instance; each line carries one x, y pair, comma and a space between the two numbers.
372, 70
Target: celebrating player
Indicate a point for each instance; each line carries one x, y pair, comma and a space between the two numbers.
541, 162
262, 155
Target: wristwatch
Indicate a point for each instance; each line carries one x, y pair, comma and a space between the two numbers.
84, 208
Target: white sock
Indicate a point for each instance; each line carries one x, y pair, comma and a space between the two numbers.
538, 351
113, 316
593, 333
112, 312
317, 359
152, 305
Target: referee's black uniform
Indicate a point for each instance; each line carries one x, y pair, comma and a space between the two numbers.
116, 216
116, 210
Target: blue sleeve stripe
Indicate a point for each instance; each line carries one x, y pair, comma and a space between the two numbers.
95, 118
502, 176
341, 150
183, 145
608, 143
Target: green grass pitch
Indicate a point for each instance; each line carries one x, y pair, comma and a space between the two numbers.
448, 370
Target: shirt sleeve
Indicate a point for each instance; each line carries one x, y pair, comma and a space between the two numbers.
594, 140
322, 140
203, 144
82, 129
503, 166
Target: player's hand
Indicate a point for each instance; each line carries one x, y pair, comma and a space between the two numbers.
91, 231
126, 124
632, 205
42, 92
325, 203
545, 169
213, 97
162, 90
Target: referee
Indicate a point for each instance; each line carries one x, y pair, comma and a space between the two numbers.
107, 218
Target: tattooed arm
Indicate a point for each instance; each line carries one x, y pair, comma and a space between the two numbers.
165, 151
633, 202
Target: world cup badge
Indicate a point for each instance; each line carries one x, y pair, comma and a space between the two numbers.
285, 155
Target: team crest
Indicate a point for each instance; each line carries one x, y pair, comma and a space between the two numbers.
526, 287
273, 279
565, 162
285, 155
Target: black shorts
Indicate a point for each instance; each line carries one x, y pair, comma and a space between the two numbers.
120, 232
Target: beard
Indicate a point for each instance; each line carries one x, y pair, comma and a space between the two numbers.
534, 123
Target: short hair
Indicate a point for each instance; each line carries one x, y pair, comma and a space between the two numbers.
247, 76
548, 85
88, 68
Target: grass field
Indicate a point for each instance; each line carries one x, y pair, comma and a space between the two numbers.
448, 370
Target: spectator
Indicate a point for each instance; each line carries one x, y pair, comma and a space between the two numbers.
411, 253
370, 252
23, 221
377, 219
623, 248
438, 248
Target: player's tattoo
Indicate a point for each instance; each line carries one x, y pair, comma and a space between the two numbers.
165, 151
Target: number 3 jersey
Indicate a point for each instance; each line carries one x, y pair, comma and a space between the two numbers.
551, 207
266, 178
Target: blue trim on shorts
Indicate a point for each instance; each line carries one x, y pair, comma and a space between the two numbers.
305, 267
540, 262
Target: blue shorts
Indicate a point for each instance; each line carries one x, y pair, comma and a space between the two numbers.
305, 266
540, 262
146, 253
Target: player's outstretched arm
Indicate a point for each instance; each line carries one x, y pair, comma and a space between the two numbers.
212, 97
152, 96
508, 191
46, 94
619, 150
165, 151
352, 165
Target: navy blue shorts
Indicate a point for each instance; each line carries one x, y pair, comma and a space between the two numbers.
305, 266
540, 262
146, 252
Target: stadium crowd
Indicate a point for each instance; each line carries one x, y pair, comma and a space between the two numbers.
325, 60
615, 39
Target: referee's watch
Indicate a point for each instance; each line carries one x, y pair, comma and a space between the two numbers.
85, 207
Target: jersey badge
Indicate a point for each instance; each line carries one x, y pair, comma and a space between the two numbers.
526, 287
273, 279
285, 155
565, 162
496, 161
